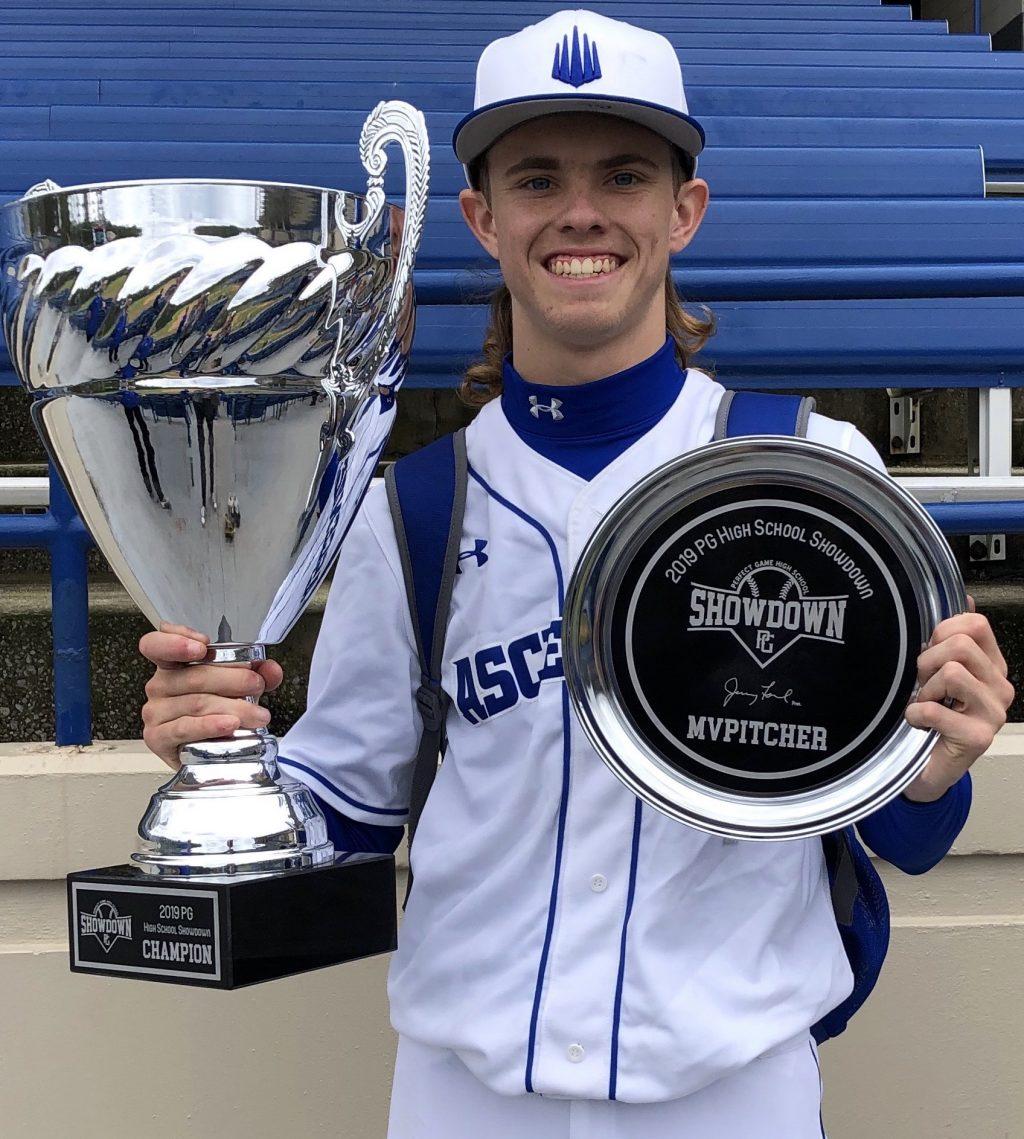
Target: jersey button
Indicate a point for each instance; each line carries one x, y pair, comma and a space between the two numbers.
575, 1052
599, 883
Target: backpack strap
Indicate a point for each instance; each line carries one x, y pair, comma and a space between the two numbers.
427, 495
762, 413
842, 873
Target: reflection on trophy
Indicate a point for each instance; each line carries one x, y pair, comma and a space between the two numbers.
213, 367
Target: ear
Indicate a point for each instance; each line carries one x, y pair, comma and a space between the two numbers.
690, 207
480, 220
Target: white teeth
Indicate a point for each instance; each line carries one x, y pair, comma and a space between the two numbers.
582, 267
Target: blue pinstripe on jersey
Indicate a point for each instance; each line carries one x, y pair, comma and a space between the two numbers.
614, 1073
564, 802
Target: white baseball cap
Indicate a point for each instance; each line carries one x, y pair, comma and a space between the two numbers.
577, 60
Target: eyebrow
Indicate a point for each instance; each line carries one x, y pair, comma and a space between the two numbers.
628, 160
534, 162
546, 162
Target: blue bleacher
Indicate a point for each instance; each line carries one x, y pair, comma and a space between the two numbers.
849, 234
775, 173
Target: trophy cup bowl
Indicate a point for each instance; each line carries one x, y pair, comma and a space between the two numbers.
213, 366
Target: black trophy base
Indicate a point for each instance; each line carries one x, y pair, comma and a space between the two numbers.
228, 933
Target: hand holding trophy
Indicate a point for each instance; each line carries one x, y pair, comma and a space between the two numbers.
213, 366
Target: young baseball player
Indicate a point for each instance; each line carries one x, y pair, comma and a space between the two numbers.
572, 962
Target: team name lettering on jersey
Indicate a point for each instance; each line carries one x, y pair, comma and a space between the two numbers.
496, 678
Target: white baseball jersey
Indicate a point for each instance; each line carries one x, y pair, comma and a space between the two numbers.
561, 937
777, 1096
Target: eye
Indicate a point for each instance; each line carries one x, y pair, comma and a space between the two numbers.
625, 178
538, 183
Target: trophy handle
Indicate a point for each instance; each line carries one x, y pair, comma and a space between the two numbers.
47, 186
392, 121
388, 122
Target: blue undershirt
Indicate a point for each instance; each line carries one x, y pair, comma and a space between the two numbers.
583, 428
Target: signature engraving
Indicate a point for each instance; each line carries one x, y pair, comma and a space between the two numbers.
766, 693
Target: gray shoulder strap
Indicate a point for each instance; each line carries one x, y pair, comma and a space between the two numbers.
429, 600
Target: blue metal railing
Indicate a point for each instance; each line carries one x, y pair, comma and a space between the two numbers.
62, 533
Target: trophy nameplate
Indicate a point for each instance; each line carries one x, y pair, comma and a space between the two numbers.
225, 933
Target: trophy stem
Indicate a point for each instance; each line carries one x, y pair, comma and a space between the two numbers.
235, 652
227, 810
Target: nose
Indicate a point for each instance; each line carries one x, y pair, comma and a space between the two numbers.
582, 213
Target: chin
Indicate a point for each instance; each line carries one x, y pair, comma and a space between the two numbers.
589, 331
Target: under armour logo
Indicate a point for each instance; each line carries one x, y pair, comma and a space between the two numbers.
577, 68
536, 407
477, 552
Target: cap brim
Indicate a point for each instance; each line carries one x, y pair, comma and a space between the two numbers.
483, 127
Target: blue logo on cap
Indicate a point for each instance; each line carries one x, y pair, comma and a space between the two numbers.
576, 68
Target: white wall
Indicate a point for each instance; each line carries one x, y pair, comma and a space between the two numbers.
938, 1050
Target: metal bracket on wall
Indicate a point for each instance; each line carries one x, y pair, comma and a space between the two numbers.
904, 423
987, 547
990, 449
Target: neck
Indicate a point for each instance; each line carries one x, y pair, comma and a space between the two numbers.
583, 427
541, 358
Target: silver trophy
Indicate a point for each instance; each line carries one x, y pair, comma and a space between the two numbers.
214, 367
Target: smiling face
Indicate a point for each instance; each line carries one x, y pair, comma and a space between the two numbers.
582, 213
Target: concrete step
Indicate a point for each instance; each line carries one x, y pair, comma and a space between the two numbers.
119, 672
22, 470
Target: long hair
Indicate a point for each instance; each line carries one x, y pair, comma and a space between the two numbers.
482, 380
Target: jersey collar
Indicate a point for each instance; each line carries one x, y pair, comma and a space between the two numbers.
615, 406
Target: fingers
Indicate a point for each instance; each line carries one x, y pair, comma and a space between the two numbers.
189, 701
216, 679
185, 630
180, 720
973, 697
963, 649
178, 710
963, 665
165, 739
976, 627
172, 650
962, 735
272, 674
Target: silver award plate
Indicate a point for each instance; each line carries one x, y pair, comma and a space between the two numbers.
741, 635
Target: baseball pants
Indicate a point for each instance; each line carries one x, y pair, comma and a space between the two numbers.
435, 1096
